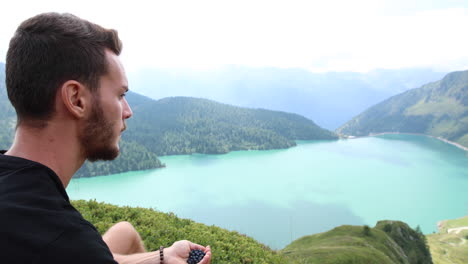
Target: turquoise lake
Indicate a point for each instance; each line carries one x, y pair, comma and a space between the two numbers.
278, 196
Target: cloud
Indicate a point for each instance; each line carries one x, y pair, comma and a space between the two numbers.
333, 35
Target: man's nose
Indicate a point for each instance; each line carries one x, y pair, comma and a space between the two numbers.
127, 111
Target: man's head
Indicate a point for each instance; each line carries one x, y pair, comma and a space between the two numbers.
101, 133
62, 56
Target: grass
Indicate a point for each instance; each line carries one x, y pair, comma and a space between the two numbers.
345, 244
450, 248
447, 224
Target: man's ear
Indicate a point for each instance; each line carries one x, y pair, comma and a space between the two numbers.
76, 98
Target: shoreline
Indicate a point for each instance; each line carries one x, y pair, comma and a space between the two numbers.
417, 134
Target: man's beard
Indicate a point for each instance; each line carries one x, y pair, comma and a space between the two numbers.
97, 138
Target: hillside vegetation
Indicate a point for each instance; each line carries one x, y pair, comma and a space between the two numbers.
389, 242
160, 229
450, 247
182, 125
438, 109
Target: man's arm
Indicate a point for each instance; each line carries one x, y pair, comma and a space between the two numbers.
178, 253
126, 246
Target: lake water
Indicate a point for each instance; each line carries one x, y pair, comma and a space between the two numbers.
280, 195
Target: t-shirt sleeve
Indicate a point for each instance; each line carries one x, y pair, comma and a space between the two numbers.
77, 246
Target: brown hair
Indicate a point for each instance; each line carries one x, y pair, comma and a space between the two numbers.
48, 50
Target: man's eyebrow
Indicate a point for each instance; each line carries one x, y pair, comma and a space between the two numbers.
125, 88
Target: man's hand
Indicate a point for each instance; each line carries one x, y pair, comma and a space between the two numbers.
179, 252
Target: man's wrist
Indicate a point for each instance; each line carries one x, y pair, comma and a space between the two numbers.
169, 255
161, 255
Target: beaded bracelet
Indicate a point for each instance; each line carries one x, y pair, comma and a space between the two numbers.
161, 255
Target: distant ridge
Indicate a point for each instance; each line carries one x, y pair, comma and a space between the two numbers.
185, 125
439, 109
328, 98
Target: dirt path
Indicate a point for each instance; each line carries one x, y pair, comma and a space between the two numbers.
457, 230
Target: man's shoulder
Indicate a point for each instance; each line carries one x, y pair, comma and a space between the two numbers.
24, 180
36, 215
30, 188
67, 239
77, 244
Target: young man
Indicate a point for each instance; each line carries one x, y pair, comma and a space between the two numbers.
67, 85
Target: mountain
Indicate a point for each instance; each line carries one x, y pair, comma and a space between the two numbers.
330, 99
389, 242
183, 125
438, 109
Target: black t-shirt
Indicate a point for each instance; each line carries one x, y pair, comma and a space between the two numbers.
37, 222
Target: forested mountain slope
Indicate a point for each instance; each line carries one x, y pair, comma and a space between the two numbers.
184, 125
437, 109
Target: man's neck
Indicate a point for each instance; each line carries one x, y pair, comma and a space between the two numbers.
52, 146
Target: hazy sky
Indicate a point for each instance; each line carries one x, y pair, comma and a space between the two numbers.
325, 35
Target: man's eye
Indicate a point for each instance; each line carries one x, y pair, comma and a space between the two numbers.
122, 95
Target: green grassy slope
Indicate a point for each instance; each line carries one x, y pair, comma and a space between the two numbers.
450, 248
388, 243
160, 229
438, 109
358, 244
344, 244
